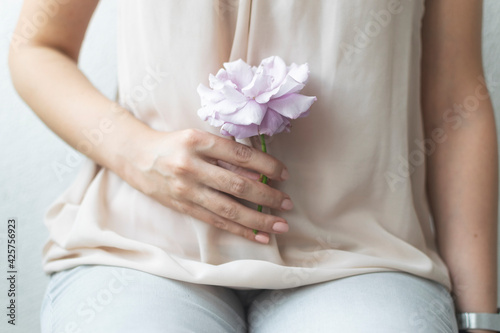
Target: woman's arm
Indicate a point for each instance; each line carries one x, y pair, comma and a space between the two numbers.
462, 176
43, 65
178, 169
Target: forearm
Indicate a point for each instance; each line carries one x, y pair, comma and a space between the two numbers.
64, 99
462, 188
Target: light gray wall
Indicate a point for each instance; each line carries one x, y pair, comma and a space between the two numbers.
491, 60
30, 152
491, 51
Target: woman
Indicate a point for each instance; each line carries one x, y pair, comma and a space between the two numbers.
154, 234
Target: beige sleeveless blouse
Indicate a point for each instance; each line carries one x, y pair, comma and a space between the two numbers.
356, 162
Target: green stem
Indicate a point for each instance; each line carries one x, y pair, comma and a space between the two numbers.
263, 178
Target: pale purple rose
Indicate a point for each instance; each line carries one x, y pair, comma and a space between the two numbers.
246, 101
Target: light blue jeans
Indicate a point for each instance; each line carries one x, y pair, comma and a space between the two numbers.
110, 299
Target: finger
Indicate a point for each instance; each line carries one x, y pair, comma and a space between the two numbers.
229, 209
244, 188
240, 155
218, 221
238, 170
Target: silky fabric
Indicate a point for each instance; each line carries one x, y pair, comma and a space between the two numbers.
357, 162
106, 299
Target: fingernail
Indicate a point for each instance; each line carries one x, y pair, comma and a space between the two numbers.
280, 227
287, 204
262, 238
284, 174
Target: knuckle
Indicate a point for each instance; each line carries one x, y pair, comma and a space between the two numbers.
191, 138
164, 188
179, 189
181, 166
261, 224
248, 234
238, 186
229, 211
180, 207
222, 179
276, 199
243, 153
269, 196
220, 224
274, 169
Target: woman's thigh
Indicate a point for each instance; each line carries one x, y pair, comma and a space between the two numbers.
114, 299
386, 302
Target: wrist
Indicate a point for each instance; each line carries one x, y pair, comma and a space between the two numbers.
479, 322
138, 155
128, 146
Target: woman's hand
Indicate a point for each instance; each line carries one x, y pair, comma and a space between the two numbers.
198, 173
182, 170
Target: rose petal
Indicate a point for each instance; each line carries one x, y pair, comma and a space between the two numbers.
276, 68
292, 105
207, 114
305, 114
266, 96
227, 106
251, 113
289, 86
232, 94
222, 75
260, 83
204, 113
239, 131
299, 73
273, 123
217, 82
208, 95
282, 85
215, 122
239, 72
246, 101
